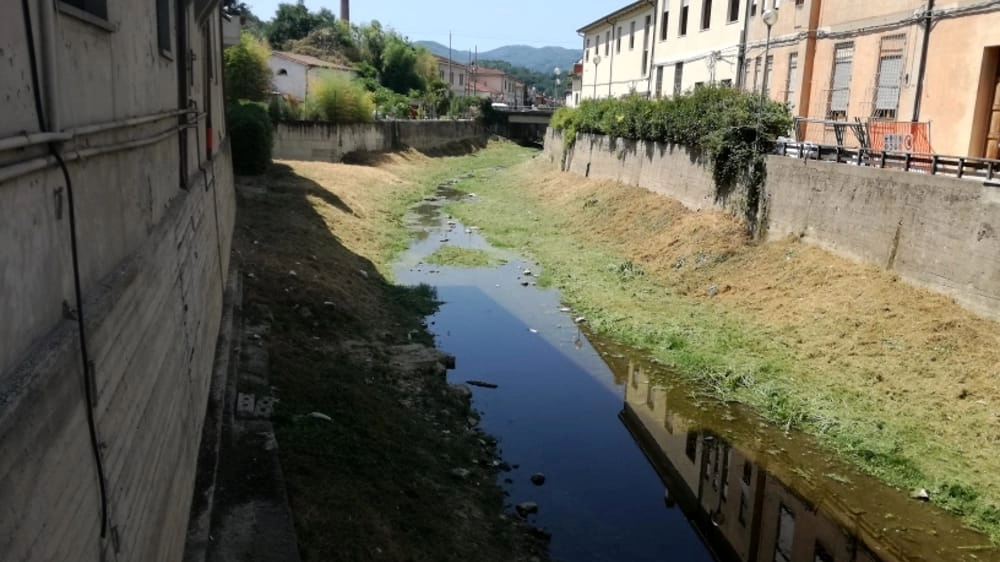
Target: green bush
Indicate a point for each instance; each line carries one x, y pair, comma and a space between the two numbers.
730, 128
251, 135
339, 100
247, 74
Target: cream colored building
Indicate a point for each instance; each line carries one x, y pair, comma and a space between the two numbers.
454, 74
697, 43
498, 86
297, 75
854, 59
618, 52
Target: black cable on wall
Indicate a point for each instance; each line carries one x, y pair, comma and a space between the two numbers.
88, 372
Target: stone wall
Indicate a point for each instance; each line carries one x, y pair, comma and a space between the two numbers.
937, 232
328, 142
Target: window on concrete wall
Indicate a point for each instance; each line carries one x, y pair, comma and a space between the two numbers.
706, 14
665, 25
645, 45
607, 43
618, 40
451, 78
756, 73
786, 532
461, 79
97, 8
678, 78
734, 11
682, 29
726, 83
163, 26
840, 81
889, 77
793, 78
753, 8
659, 81
586, 51
631, 36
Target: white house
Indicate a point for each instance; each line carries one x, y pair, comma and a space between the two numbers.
294, 75
454, 74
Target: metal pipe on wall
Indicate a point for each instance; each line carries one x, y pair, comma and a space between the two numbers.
922, 70
50, 72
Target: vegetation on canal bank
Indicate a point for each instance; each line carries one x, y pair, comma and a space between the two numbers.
453, 256
392, 465
899, 380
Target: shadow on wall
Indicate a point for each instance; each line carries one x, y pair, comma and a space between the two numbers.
375, 158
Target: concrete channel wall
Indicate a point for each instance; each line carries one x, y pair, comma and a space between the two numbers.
937, 232
328, 142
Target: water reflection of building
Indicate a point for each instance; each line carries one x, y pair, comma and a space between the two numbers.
746, 512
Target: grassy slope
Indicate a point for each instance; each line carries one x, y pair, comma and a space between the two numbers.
900, 380
376, 482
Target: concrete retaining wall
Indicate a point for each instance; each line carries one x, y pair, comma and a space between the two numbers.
937, 232
330, 143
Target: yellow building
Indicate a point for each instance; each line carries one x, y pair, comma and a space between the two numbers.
618, 52
698, 43
873, 61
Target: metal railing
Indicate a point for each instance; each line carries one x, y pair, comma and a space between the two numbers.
934, 164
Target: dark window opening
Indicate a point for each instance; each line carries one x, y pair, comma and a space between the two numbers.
98, 8
683, 27
665, 26
163, 25
618, 40
631, 36
678, 78
734, 11
691, 445
284, 72
753, 8
706, 14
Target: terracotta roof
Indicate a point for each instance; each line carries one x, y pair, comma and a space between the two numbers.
490, 71
307, 60
445, 60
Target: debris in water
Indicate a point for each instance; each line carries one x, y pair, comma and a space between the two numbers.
468, 231
483, 384
292, 273
524, 283
713, 290
532, 330
445, 239
921, 495
538, 479
565, 309
580, 319
525, 509
526, 272
363, 273
319, 416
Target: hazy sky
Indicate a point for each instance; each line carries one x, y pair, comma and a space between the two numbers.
488, 24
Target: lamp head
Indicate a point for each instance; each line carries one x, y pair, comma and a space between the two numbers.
597, 60
770, 17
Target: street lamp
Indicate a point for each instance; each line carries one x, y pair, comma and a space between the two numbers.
597, 61
770, 17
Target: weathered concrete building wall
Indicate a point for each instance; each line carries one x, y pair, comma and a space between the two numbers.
152, 186
329, 142
937, 232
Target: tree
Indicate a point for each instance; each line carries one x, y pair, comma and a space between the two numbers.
247, 74
294, 21
399, 71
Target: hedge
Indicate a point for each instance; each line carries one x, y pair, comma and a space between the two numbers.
251, 135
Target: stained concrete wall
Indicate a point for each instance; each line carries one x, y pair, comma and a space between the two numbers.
329, 142
937, 232
153, 256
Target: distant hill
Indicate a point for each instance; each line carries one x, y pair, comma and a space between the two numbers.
539, 59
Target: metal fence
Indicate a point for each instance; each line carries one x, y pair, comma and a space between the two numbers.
934, 164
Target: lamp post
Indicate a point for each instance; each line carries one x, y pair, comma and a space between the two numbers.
597, 61
770, 17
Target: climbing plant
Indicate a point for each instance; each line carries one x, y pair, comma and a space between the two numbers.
730, 129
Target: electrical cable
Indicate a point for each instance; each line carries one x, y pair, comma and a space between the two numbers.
88, 374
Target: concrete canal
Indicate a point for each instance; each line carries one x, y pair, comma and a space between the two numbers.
637, 464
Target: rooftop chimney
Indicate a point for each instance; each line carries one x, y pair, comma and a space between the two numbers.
345, 10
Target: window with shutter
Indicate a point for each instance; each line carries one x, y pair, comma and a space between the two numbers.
678, 78
793, 78
889, 78
840, 82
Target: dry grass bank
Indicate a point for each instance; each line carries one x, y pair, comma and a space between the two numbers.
901, 380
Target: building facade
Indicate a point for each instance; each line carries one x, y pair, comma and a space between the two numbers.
618, 52
297, 75
498, 86
877, 63
116, 217
455, 75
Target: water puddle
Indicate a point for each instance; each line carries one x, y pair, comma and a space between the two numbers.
637, 466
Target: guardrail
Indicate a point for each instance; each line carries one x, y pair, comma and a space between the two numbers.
934, 164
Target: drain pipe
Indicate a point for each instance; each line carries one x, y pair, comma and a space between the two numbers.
741, 59
47, 23
922, 70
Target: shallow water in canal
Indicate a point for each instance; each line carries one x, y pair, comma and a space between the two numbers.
638, 465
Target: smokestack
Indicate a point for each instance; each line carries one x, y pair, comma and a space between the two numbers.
345, 10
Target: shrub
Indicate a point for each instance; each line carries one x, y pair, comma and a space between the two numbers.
247, 74
565, 121
251, 136
339, 100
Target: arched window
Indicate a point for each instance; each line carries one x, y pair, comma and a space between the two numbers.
282, 72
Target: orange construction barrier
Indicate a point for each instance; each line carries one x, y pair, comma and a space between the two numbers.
900, 136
